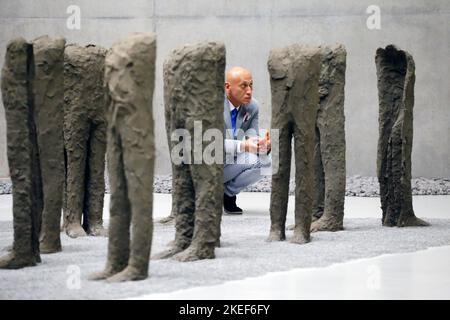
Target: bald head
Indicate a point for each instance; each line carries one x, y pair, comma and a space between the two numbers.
239, 86
236, 73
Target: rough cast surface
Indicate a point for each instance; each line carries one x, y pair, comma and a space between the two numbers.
48, 104
294, 79
396, 78
130, 81
329, 151
84, 139
193, 91
23, 157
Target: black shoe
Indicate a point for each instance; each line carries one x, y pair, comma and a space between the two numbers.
317, 215
229, 205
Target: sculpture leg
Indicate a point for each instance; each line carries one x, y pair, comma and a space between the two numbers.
76, 138
208, 186
52, 182
184, 197
49, 100
23, 252
138, 156
332, 147
401, 184
120, 211
407, 216
319, 180
303, 184
279, 196
96, 181
23, 160
278, 63
330, 123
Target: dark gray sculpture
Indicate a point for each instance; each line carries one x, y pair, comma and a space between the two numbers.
396, 78
329, 152
130, 81
49, 110
23, 157
193, 91
84, 139
294, 78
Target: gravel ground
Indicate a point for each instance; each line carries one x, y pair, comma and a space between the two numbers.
357, 186
243, 253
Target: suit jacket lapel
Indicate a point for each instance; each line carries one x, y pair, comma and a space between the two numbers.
240, 117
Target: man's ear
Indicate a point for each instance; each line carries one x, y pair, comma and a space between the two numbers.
227, 85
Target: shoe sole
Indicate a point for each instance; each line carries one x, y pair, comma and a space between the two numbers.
233, 212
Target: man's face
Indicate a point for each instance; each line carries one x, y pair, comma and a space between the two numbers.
239, 88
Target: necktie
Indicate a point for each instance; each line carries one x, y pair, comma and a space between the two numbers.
234, 113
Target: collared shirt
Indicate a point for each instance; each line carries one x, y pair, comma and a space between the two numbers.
232, 106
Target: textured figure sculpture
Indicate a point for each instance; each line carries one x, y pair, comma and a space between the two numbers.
396, 77
23, 157
329, 151
49, 111
294, 78
130, 78
193, 91
84, 139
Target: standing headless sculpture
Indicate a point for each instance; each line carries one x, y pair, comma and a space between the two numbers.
49, 104
294, 78
396, 77
329, 152
84, 139
130, 80
23, 158
193, 91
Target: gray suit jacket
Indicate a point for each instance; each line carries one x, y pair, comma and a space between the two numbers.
246, 125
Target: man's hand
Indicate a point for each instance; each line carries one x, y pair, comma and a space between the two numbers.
264, 145
257, 145
250, 145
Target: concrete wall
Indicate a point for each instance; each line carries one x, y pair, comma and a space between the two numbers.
249, 29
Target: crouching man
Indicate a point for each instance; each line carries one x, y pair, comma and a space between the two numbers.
246, 159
